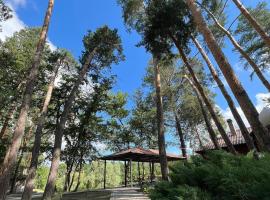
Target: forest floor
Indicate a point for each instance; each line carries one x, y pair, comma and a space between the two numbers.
109, 194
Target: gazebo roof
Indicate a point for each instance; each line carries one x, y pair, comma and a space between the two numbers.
236, 139
140, 155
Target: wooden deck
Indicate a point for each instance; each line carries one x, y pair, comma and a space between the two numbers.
108, 194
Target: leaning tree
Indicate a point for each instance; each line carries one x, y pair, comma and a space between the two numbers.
102, 48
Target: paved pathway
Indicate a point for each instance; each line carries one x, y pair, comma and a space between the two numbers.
127, 194
109, 194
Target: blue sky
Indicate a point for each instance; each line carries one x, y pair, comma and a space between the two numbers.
72, 18
71, 21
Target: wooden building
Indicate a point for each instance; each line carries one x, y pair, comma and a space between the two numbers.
235, 137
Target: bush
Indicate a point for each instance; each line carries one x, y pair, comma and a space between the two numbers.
220, 176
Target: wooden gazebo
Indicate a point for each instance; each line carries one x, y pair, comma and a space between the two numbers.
137, 155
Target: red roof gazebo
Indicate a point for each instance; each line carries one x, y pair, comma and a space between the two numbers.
137, 155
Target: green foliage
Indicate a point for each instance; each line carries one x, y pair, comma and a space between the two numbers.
41, 177
107, 46
166, 19
133, 13
15, 58
218, 176
169, 191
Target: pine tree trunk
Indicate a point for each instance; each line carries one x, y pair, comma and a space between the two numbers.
15, 175
236, 115
73, 177
47, 195
29, 184
208, 124
23, 148
79, 178
160, 122
20, 125
235, 85
253, 22
206, 100
242, 51
181, 136
67, 179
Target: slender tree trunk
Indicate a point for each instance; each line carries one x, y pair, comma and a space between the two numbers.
72, 181
160, 120
242, 51
253, 22
181, 135
20, 125
49, 189
79, 177
23, 148
29, 185
235, 85
73, 177
206, 100
209, 127
236, 115
67, 179
15, 175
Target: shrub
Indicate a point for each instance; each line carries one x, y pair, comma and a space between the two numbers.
220, 176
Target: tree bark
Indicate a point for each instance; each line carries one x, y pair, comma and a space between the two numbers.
73, 177
23, 148
67, 179
211, 131
181, 136
79, 177
236, 115
15, 175
20, 125
242, 51
235, 85
47, 195
253, 22
160, 122
29, 184
206, 100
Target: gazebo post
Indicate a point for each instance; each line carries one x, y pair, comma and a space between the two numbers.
125, 173
152, 171
139, 173
131, 184
105, 166
143, 171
